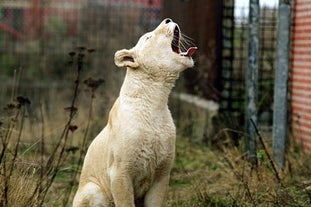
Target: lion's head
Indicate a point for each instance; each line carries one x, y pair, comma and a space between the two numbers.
158, 51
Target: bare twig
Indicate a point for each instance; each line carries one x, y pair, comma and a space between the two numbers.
242, 180
267, 153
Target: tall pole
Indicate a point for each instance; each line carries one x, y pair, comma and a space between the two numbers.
252, 80
280, 86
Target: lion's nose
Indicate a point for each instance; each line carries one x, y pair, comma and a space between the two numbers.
168, 20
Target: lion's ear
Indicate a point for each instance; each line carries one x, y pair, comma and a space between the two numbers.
125, 58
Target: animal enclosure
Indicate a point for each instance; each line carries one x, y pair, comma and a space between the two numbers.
41, 46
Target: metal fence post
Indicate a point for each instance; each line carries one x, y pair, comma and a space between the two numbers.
252, 79
280, 87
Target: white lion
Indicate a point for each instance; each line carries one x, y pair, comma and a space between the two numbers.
130, 160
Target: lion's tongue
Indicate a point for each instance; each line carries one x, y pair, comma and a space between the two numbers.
189, 52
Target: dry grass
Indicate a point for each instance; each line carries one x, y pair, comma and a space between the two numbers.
201, 177
205, 177
44, 159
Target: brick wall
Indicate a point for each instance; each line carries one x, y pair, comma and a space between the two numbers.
301, 73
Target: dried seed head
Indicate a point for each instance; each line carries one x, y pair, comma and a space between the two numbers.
11, 106
22, 100
81, 55
71, 108
81, 48
72, 149
73, 128
72, 53
92, 83
90, 50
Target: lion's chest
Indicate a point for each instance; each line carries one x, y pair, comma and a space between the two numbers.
145, 143
150, 159
153, 150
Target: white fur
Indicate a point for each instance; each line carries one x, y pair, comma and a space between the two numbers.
130, 160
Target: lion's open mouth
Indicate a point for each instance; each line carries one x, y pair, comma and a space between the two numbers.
175, 41
176, 45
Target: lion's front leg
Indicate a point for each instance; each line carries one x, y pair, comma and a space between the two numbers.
90, 196
122, 190
156, 196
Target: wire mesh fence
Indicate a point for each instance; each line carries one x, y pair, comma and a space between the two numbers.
37, 35
45, 27
234, 63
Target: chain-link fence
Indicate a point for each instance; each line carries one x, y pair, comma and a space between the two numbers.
234, 63
37, 35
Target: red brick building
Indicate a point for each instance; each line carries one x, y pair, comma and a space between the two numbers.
301, 73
